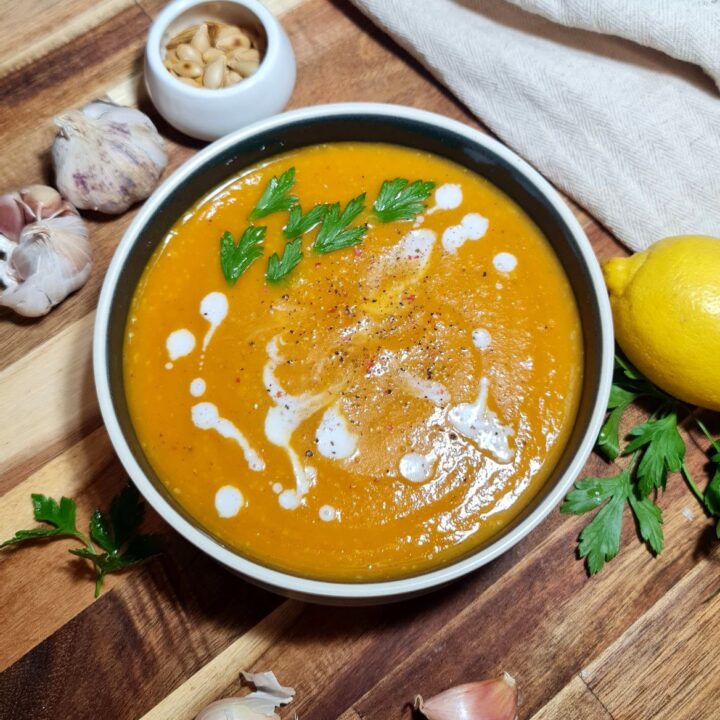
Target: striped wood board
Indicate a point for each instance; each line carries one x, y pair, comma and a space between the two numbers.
636, 642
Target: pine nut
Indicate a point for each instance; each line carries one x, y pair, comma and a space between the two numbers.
188, 52
201, 39
214, 73
212, 54
232, 38
245, 54
232, 78
185, 68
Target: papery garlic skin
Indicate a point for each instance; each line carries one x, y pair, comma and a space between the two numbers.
495, 699
258, 705
44, 250
107, 157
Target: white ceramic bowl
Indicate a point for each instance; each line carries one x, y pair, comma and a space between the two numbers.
356, 122
209, 114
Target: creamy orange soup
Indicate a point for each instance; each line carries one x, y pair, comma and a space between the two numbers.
382, 410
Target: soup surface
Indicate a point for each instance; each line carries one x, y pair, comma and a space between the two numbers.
382, 409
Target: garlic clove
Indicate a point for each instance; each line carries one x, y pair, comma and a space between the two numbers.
258, 705
12, 217
495, 699
41, 201
50, 261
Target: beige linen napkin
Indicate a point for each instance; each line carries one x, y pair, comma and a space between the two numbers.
591, 93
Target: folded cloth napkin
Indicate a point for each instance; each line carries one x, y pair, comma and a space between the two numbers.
607, 98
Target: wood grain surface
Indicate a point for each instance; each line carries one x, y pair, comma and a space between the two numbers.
637, 642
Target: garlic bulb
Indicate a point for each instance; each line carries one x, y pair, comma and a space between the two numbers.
495, 699
258, 705
107, 157
44, 250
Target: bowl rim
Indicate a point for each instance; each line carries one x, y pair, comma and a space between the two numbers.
321, 589
153, 51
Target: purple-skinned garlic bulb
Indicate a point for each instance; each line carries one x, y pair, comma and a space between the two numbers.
44, 250
107, 157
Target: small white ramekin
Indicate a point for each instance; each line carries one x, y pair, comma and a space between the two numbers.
209, 114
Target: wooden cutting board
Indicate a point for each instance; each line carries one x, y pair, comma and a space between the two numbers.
636, 642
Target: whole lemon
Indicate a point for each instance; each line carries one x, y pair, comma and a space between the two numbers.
666, 307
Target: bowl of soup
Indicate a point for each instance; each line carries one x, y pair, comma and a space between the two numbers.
353, 352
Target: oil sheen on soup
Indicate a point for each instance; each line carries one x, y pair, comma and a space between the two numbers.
382, 409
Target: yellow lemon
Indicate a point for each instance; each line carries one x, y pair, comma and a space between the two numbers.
666, 307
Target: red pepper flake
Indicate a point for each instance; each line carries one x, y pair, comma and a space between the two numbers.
317, 264
389, 427
279, 394
237, 379
357, 251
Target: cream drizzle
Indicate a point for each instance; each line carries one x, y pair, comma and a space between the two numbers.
417, 468
472, 227
334, 439
505, 262
205, 416
424, 389
281, 421
447, 197
481, 338
328, 513
228, 501
479, 424
180, 343
214, 308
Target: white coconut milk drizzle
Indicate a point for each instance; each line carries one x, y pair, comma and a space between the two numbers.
505, 262
472, 227
214, 308
334, 439
481, 338
328, 513
179, 344
228, 501
482, 426
447, 197
424, 389
205, 416
281, 421
197, 387
417, 468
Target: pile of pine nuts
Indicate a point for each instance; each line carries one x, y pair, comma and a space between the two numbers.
212, 55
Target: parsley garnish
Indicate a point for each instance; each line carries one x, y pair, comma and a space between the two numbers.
298, 224
116, 533
398, 200
279, 267
656, 449
334, 233
236, 259
275, 196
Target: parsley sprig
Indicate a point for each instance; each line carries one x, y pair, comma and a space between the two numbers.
298, 224
276, 195
279, 267
115, 532
235, 259
334, 233
655, 449
399, 199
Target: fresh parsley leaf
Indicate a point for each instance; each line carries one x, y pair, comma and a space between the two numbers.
649, 519
334, 233
590, 493
279, 267
664, 451
711, 496
275, 196
114, 532
298, 224
139, 549
608, 441
236, 259
398, 200
46, 509
600, 538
